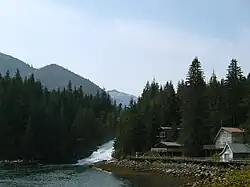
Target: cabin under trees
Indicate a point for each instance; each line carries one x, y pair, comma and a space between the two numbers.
167, 145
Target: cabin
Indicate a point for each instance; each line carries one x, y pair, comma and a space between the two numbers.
168, 149
167, 145
235, 151
224, 136
167, 132
228, 135
229, 143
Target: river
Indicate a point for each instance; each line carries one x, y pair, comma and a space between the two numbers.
78, 175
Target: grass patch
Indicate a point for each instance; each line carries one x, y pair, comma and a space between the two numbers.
234, 179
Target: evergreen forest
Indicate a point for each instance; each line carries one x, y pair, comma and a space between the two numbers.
198, 106
63, 125
58, 126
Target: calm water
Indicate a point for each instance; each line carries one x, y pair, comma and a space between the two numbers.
62, 176
80, 175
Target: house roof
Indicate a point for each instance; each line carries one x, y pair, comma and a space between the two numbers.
166, 128
170, 144
237, 148
169, 128
230, 130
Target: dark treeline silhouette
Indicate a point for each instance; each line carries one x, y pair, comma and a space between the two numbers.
200, 108
56, 126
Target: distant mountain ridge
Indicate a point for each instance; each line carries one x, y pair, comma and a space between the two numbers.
10, 63
55, 76
121, 97
52, 76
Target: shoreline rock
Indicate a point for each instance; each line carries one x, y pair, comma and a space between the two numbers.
18, 163
200, 173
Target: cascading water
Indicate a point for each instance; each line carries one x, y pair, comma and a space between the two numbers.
104, 152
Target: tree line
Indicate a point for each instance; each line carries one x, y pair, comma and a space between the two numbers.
57, 126
199, 107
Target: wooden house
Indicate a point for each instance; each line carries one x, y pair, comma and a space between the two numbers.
168, 149
167, 145
228, 135
229, 143
235, 151
224, 136
167, 132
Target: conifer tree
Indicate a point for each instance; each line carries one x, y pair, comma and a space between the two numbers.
215, 101
235, 91
195, 111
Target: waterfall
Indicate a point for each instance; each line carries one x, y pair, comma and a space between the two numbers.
104, 152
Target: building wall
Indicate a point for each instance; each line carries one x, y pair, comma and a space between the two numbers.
223, 138
227, 155
241, 156
237, 138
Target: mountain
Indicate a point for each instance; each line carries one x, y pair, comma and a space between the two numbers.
10, 63
121, 97
52, 76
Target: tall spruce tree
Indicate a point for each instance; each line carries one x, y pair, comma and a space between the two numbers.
215, 101
235, 90
195, 111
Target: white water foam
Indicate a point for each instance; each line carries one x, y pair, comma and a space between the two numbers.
104, 152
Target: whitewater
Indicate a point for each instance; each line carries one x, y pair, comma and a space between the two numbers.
103, 153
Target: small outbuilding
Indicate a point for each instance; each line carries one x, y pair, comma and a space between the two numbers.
235, 151
168, 149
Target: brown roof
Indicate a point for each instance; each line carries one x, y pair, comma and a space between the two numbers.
232, 129
170, 144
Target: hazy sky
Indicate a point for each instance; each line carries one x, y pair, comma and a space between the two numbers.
123, 43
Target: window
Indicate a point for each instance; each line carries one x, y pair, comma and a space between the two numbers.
162, 134
226, 157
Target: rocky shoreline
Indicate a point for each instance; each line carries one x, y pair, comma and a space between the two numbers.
198, 174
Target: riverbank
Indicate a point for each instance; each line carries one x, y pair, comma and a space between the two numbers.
192, 174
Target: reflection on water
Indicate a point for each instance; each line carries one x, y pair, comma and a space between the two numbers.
63, 176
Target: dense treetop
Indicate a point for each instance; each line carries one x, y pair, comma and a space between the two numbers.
199, 107
52, 126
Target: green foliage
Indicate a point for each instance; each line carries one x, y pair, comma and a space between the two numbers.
52, 126
195, 111
233, 179
139, 124
216, 157
198, 107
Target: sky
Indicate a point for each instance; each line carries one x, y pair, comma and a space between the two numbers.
122, 44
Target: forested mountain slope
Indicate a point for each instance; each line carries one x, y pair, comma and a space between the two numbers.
12, 64
55, 76
52, 76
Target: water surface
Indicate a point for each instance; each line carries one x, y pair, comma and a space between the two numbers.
80, 175
63, 176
